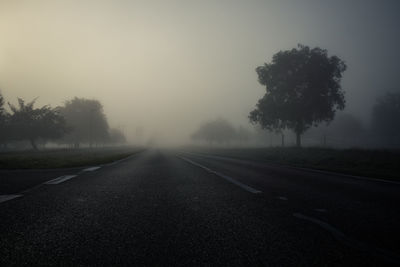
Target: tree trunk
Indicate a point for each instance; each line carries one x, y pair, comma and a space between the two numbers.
283, 140
33, 143
298, 139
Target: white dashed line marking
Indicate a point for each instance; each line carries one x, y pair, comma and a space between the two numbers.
227, 178
282, 198
60, 179
4, 198
91, 169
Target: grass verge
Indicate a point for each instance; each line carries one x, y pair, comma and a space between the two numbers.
63, 158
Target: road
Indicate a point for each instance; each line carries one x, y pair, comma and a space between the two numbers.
165, 207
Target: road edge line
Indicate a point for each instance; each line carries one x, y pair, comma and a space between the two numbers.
8, 197
355, 177
60, 179
225, 177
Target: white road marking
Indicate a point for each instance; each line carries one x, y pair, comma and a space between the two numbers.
340, 236
4, 198
335, 232
60, 179
91, 169
282, 198
229, 179
120, 160
356, 177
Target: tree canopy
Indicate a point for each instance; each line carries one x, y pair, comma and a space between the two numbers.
78, 121
302, 89
86, 120
29, 123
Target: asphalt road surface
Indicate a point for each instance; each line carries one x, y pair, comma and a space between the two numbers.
161, 208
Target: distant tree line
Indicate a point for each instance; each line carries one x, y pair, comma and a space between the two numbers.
382, 130
345, 130
79, 121
220, 132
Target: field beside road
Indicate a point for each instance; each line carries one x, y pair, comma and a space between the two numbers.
63, 158
370, 163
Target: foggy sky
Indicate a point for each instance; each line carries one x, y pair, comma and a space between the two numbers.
167, 66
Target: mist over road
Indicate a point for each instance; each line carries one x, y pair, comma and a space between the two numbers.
167, 207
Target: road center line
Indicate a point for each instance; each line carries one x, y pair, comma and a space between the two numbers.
227, 178
4, 198
60, 179
340, 236
91, 169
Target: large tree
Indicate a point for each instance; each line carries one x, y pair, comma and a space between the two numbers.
87, 121
29, 123
386, 118
302, 89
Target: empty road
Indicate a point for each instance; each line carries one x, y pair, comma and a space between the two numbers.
166, 207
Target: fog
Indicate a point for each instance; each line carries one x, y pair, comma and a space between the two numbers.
166, 67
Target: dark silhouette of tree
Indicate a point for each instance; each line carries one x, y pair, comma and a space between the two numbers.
87, 121
302, 89
217, 131
386, 118
29, 123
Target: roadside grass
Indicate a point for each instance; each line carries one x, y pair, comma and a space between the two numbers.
63, 158
383, 164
